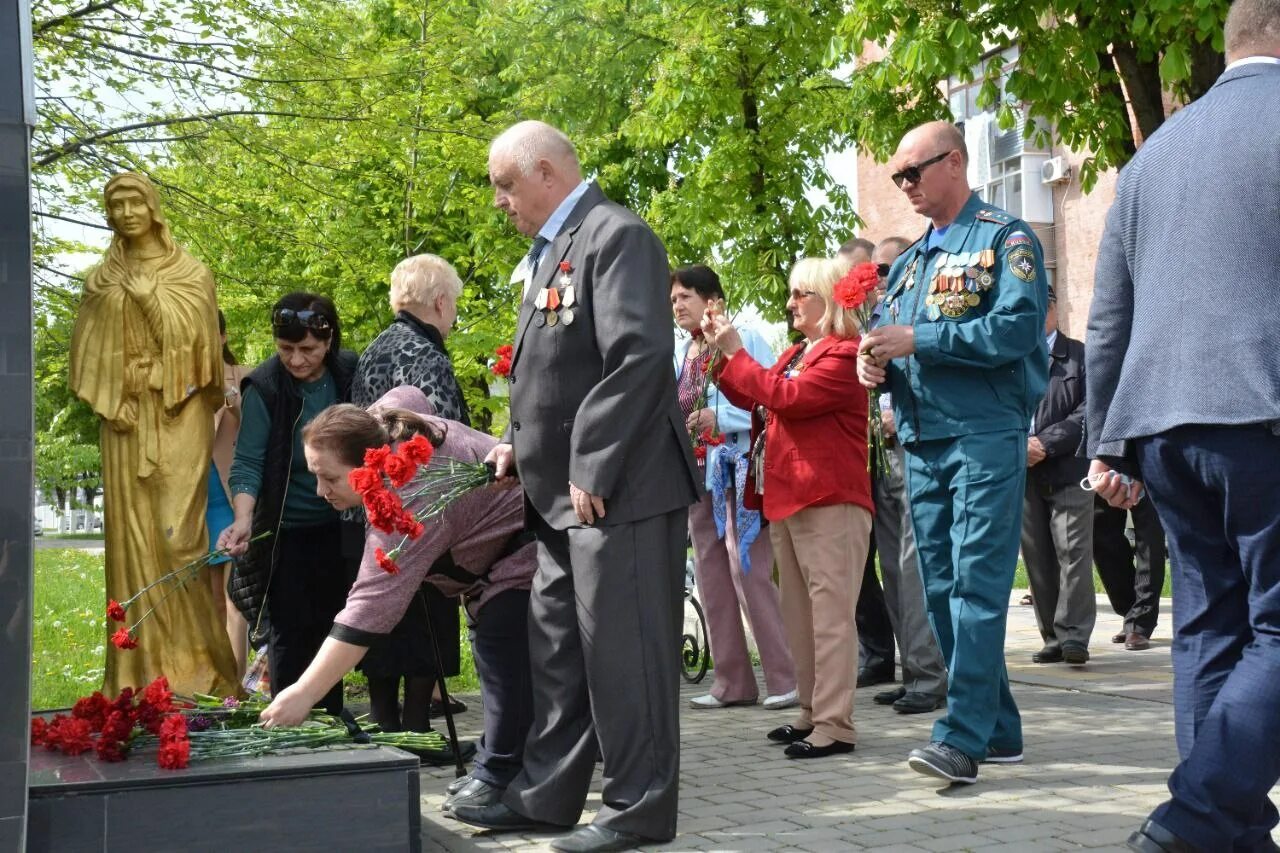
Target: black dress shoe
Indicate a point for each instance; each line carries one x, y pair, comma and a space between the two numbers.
457, 784
888, 697
868, 677
1154, 838
1049, 654
475, 793
804, 749
597, 839
1076, 654
918, 703
501, 818
788, 734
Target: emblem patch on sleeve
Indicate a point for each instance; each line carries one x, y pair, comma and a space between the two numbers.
1022, 263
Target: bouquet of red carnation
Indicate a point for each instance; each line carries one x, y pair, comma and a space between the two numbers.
855, 292
419, 475
111, 727
127, 637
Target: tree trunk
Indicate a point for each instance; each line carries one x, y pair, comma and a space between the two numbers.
1206, 66
1142, 82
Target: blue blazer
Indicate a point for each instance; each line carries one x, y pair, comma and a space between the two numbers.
1182, 329
735, 423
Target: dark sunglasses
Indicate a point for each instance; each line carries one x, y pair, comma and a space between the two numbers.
286, 318
911, 174
882, 270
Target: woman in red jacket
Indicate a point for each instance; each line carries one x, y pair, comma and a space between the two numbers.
810, 473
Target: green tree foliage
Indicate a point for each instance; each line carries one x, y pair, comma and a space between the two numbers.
1078, 61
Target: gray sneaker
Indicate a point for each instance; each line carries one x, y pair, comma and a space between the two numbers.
944, 762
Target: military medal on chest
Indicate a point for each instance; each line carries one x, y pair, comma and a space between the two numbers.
554, 304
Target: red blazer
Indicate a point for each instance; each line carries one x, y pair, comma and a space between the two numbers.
815, 427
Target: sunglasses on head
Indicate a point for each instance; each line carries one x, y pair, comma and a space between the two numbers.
286, 318
911, 174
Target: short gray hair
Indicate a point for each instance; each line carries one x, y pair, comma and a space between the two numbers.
1253, 26
419, 279
527, 142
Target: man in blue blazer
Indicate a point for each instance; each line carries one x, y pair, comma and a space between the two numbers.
1184, 389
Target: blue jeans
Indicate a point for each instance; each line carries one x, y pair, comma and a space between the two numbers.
1217, 491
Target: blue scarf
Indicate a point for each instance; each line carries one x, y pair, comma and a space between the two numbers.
728, 467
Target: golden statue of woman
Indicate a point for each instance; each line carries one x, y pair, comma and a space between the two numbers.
146, 356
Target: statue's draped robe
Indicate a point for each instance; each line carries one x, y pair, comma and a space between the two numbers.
151, 369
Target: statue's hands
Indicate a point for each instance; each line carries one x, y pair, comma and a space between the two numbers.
126, 419
140, 283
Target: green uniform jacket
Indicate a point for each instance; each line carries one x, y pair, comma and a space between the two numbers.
977, 302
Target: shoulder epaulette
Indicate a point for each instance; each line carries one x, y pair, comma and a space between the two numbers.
999, 217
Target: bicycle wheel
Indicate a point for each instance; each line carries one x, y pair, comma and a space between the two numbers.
695, 650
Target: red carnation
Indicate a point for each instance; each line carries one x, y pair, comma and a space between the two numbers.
74, 736
852, 290
39, 730
175, 755
417, 450
399, 470
92, 708
565, 266
376, 457
158, 694
384, 509
387, 564
115, 611
123, 639
502, 367
410, 527
700, 452
109, 749
174, 727
364, 480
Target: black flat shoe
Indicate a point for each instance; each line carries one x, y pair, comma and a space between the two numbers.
1047, 655
1154, 838
804, 749
500, 817
597, 839
788, 734
455, 706
443, 757
888, 697
457, 784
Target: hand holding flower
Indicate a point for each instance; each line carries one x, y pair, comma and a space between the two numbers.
720, 333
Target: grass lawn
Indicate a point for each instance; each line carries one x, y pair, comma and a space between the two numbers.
69, 635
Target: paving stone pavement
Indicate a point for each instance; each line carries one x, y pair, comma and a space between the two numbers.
1099, 747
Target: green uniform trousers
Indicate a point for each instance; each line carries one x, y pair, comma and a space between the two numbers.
966, 497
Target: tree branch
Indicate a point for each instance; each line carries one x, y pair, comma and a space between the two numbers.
88, 9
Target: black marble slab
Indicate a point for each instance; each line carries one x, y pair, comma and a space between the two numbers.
364, 799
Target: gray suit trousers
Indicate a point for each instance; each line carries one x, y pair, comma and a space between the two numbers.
1057, 547
923, 670
604, 642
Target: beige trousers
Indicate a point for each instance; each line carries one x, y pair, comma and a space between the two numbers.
821, 552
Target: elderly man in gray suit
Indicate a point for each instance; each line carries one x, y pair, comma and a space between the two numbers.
599, 445
1184, 392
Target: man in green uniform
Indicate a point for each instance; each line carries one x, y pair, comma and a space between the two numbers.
959, 342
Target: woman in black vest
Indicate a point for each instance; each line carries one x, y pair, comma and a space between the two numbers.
300, 574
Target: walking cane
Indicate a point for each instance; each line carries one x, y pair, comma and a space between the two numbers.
460, 769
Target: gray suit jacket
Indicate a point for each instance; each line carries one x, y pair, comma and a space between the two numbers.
594, 401
1182, 329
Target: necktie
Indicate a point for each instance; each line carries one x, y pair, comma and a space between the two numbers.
535, 251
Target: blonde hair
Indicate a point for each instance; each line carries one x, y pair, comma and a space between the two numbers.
419, 279
819, 275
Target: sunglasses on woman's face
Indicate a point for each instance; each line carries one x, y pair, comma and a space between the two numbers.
287, 318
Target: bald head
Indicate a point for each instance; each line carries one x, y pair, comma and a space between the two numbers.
929, 168
533, 168
1253, 29
530, 141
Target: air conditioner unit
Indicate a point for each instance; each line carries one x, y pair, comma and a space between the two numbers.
1054, 171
